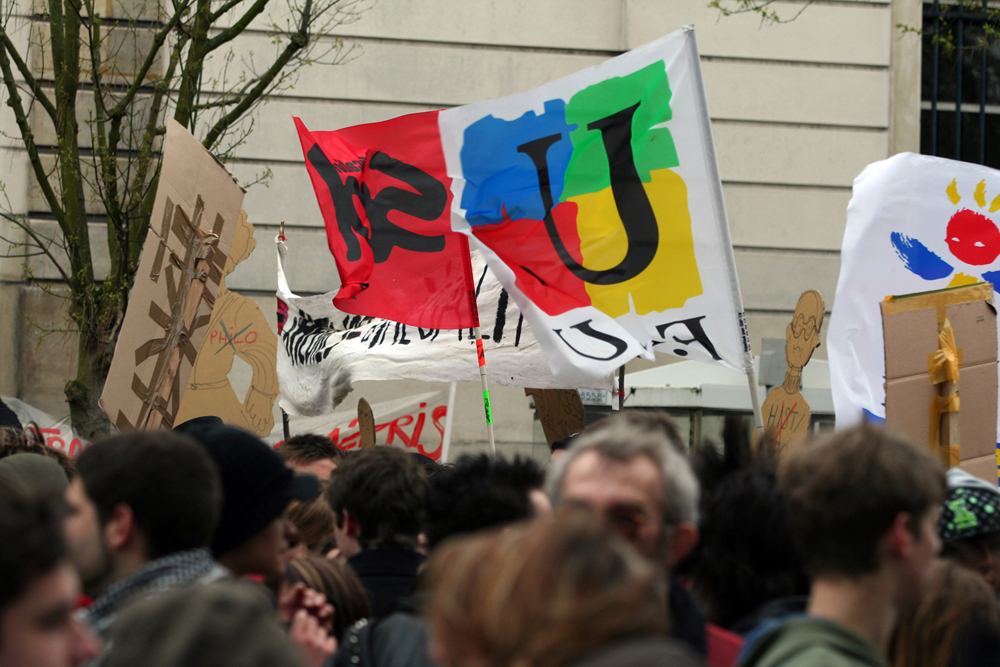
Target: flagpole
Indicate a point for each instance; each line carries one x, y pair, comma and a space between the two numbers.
470, 285
755, 402
449, 419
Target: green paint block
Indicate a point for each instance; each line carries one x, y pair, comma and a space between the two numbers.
588, 169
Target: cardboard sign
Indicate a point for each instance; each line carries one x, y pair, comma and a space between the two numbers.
190, 230
238, 329
366, 424
786, 412
560, 411
911, 327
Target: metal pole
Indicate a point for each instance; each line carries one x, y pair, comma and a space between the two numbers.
958, 90
449, 419
755, 402
982, 93
935, 73
621, 388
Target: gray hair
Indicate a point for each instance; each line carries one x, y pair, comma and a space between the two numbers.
628, 435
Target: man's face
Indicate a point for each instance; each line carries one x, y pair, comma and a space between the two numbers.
85, 539
322, 468
626, 493
39, 630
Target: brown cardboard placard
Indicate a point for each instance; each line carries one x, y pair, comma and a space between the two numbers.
366, 424
983, 467
560, 411
786, 412
910, 328
194, 217
238, 329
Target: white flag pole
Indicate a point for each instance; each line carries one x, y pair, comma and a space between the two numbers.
470, 284
449, 419
719, 203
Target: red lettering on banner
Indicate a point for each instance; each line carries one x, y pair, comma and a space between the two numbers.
396, 430
75, 448
246, 339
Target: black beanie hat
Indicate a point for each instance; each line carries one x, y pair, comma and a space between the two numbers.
256, 484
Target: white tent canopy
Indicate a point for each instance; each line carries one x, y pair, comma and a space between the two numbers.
697, 385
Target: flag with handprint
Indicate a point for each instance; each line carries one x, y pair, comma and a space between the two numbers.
596, 199
915, 224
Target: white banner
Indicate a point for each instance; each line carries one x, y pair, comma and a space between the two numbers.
414, 423
323, 350
58, 433
915, 223
598, 200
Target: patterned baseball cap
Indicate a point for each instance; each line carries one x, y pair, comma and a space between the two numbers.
971, 509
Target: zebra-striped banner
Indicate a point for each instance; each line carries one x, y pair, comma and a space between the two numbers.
323, 350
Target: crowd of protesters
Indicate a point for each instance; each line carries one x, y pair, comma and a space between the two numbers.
205, 546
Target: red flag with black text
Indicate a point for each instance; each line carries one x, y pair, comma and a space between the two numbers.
385, 197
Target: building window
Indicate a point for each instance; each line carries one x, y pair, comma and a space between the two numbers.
960, 82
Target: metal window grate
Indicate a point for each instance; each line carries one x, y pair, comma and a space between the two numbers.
960, 110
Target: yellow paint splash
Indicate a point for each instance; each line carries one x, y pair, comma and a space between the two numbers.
961, 279
995, 204
981, 194
671, 278
953, 192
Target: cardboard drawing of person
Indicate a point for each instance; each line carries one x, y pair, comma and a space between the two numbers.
238, 329
786, 411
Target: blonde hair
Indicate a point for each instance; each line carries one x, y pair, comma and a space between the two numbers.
542, 594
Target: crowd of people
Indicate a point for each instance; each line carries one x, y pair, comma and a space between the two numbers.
205, 546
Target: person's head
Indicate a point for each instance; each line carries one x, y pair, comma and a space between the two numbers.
745, 556
39, 587
970, 525
863, 500
312, 453
543, 594
314, 521
377, 495
257, 487
337, 581
222, 624
956, 608
479, 492
139, 497
34, 474
629, 469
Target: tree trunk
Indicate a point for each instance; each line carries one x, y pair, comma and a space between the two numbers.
97, 339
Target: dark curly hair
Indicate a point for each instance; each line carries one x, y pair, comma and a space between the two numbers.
32, 441
479, 492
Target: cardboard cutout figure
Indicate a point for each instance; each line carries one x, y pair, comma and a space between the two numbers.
786, 412
238, 329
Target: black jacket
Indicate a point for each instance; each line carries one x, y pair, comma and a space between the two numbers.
388, 575
687, 621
